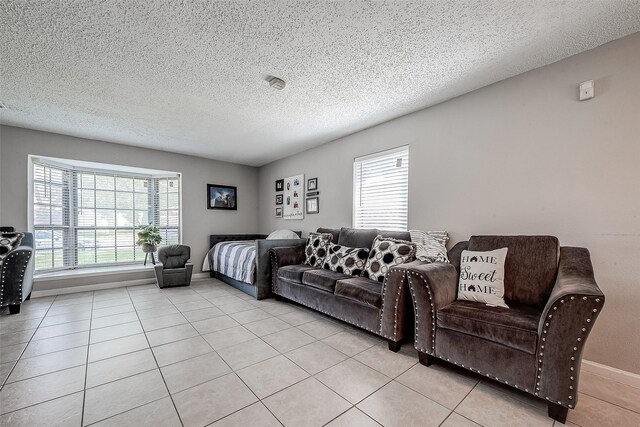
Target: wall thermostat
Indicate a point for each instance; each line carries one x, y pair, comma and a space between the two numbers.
586, 90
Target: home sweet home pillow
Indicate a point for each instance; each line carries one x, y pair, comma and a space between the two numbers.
482, 277
316, 249
386, 253
346, 260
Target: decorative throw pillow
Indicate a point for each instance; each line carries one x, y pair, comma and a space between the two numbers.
430, 246
316, 250
386, 253
283, 234
482, 277
346, 260
8, 242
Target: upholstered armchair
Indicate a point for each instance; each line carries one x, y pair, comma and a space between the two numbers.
16, 273
536, 344
174, 270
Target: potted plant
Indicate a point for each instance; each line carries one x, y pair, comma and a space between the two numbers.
149, 238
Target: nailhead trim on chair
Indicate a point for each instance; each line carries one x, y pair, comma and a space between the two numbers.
20, 281
432, 352
576, 349
395, 314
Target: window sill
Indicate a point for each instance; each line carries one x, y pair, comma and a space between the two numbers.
92, 272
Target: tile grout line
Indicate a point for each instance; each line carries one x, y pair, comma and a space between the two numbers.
86, 365
15, 362
158, 365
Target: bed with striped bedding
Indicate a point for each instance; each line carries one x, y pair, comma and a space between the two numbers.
234, 259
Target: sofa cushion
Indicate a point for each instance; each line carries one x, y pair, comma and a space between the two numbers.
530, 267
324, 280
316, 249
364, 237
344, 259
8, 242
515, 327
365, 291
294, 272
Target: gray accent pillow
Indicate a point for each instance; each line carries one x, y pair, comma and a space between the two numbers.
431, 246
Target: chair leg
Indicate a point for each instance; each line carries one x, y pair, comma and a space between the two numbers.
425, 359
394, 345
146, 255
557, 412
14, 309
28, 297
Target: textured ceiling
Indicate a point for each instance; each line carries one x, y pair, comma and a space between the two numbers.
189, 76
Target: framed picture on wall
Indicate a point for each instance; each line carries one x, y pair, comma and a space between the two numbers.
279, 184
279, 199
293, 197
312, 184
278, 212
223, 197
313, 205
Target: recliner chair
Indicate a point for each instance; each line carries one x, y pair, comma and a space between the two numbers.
536, 344
174, 270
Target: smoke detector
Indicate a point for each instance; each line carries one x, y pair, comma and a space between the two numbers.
276, 83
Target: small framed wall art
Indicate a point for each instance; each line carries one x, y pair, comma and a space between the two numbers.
278, 212
312, 184
223, 197
313, 205
279, 184
279, 199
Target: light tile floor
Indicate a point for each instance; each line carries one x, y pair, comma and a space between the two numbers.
211, 355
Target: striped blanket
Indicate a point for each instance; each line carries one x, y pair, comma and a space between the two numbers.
234, 259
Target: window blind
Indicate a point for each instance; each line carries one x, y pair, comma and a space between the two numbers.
381, 190
84, 217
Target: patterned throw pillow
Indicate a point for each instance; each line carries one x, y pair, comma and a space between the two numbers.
346, 260
8, 242
386, 253
430, 246
316, 250
482, 277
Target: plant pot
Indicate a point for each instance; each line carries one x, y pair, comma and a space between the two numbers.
148, 248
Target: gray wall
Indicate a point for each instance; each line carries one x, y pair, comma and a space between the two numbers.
197, 221
520, 156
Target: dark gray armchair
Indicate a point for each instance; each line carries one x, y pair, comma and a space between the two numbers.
16, 274
174, 270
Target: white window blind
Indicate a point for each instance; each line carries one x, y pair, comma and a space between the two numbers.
84, 217
381, 190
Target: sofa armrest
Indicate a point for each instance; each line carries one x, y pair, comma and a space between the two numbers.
263, 265
574, 304
281, 256
432, 285
396, 313
16, 276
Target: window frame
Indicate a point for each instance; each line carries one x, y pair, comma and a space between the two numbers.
378, 154
71, 207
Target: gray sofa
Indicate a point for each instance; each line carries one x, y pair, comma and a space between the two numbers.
16, 275
382, 308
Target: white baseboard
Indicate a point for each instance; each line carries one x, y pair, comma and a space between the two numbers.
100, 286
96, 287
614, 374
